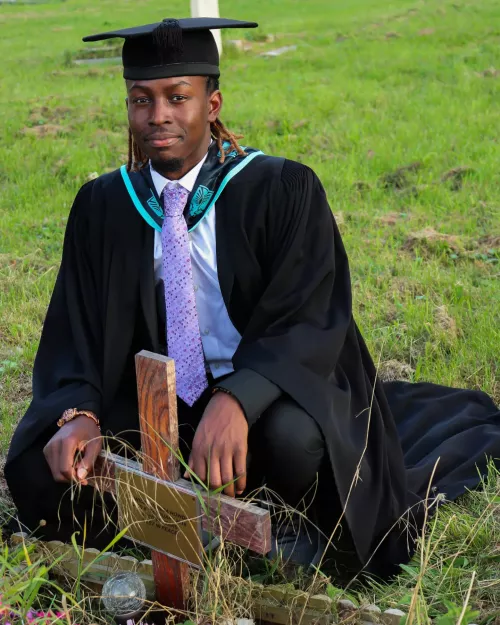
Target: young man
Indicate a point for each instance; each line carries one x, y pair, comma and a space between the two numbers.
237, 256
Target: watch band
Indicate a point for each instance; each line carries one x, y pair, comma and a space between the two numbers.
221, 389
218, 389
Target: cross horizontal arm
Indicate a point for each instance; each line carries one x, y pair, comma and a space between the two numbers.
231, 519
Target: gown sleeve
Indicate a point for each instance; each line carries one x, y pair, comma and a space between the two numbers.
299, 326
67, 369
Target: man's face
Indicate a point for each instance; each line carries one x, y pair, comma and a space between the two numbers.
170, 120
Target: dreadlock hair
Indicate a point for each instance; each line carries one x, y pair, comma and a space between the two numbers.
220, 134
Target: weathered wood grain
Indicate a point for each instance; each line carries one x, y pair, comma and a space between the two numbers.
237, 521
160, 443
158, 415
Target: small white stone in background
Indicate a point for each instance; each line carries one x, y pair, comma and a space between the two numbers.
278, 51
240, 44
373, 609
345, 604
392, 616
239, 621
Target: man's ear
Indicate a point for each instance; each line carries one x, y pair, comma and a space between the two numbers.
215, 102
126, 103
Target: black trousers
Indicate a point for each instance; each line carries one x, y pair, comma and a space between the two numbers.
286, 454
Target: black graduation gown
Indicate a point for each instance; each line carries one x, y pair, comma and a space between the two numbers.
285, 280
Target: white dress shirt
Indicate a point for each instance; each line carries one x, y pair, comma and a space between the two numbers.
219, 336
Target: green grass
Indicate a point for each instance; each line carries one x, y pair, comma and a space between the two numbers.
374, 85
460, 552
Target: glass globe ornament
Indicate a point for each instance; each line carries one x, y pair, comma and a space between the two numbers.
124, 594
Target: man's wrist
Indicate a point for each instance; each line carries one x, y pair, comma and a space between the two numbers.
252, 391
217, 390
72, 413
225, 391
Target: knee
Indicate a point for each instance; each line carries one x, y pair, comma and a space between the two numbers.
291, 432
28, 474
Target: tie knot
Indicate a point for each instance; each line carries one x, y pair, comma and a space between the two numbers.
174, 199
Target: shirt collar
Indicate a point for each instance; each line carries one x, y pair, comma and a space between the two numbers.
187, 181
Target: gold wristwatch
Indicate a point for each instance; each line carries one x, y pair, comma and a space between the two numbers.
72, 413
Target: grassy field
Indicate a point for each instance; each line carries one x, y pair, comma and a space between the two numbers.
393, 103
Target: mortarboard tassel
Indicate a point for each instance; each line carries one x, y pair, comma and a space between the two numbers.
167, 38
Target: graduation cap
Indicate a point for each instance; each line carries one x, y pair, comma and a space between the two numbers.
184, 47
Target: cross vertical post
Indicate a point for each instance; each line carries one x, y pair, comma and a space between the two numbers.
160, 443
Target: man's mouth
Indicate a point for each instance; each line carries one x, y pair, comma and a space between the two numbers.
162, 141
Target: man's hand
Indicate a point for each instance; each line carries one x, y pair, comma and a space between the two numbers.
79, 435
219, 453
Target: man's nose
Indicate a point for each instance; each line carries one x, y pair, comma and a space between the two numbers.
161, 113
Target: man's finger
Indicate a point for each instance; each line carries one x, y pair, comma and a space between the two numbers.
214, 477
86, 464
187, 474
240, 471
67, 459
227, 475
52, 452
199, 465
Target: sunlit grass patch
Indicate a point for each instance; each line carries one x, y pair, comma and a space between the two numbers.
461, 551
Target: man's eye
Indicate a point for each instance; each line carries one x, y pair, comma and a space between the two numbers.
140, 100
178, 98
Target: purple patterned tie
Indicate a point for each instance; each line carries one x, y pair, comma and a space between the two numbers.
183, 330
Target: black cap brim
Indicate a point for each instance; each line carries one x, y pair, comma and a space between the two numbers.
190, 24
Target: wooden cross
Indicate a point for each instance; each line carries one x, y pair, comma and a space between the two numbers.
231, 519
